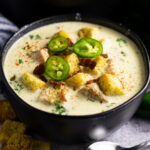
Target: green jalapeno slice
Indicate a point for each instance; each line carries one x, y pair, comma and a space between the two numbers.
57, 68
88, 48
58, 44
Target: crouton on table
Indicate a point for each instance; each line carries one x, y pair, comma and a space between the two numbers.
6, 111
31, 81
110, 85
9, 128
78, 79
19, 142
41, 145
73, 62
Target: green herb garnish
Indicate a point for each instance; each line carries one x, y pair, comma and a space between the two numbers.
59, 109
120, 41
31, 36
30, 52
17, 85
37, 37
91, 99
110, 105
20, 61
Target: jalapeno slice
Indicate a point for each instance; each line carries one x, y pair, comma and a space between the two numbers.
57, 68
88, 47
58, 44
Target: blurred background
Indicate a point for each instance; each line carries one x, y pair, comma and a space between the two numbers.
134, 14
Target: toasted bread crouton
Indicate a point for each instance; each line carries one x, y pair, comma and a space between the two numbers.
31, 81
78, 79
19, 142
9, 128
88, 32
40, 55
73, 62
100, 65
110, 85
6, 111
51, 93
85, 32
62, 33
41, 145
93, 91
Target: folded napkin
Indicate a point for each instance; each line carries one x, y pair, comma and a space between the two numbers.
7, 28
133, 132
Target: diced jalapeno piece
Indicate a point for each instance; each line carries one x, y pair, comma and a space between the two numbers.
58, 44
88, 48
57, 68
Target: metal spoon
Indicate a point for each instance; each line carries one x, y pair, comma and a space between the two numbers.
106, 145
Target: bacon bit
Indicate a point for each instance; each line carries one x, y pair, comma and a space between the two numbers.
122, 52
101, 40
43, 78
88, 62
55, 83
100, 27
70, 42
63, 95
40, 69
104, 55
92, 81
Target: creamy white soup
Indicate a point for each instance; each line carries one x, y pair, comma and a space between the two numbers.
94, 77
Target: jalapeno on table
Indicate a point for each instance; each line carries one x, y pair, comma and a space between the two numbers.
88, 47
58, 44
57, 68
144, 109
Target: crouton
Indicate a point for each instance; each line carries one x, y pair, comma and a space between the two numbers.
93, 91
73, 62
40, 145
19, 142
62, 33
85, 32
78, 79
89, 32
32, 82
100, 65
51, 93
40, 55
110, 85
6, 111
9, 128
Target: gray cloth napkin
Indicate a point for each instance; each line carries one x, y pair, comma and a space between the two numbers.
133, 132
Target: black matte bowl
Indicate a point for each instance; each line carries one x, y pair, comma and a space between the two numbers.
73, 129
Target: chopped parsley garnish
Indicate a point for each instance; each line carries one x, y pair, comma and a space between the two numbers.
20, 61
24, 48
91, 99
35, 37
30, 52
120, 41
59, 109
124, 54
31, 36
110, 105
17, 85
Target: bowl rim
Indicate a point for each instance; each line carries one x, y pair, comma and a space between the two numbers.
80, 17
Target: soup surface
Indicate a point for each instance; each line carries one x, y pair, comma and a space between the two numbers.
93, 85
